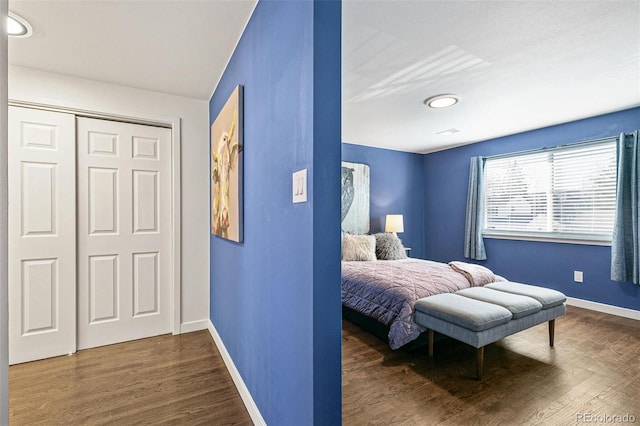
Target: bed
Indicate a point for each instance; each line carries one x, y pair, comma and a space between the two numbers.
386, 291
380, 282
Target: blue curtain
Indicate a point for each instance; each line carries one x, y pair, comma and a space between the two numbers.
624, 245
473, 242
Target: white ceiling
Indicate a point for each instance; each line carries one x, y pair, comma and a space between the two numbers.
516, 65
179, 47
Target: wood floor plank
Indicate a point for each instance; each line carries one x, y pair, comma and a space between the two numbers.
165, 379
592, 368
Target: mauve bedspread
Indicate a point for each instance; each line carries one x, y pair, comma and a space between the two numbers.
387, 289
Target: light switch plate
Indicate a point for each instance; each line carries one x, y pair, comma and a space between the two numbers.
300, 186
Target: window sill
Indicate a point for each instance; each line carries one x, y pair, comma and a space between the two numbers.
548, 239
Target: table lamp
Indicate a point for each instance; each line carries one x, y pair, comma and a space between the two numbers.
394, 224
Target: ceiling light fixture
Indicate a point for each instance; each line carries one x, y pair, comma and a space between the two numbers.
441, 101
17, 26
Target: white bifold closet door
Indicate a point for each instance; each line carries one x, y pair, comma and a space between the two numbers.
124, 238
42, 234
89, 233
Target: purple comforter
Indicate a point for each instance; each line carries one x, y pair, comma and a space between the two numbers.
387, 289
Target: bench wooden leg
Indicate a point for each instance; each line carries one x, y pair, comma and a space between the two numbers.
480, 362
552, 331
430, 342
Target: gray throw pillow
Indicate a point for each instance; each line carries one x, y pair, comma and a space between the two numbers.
358, 247
389, 247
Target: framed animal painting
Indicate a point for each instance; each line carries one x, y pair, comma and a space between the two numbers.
226, 170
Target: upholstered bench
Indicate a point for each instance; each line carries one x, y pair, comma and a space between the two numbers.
482, 315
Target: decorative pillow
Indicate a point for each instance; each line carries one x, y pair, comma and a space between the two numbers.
358, 247
389, 247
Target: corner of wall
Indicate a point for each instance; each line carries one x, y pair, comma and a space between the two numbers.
327, 146
274, 281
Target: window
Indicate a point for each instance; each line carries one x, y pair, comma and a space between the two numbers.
566, 192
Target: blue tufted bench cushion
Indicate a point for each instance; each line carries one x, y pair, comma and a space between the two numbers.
482, 315
548, 297
519, 306
465, 312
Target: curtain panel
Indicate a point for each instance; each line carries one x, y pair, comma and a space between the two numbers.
473, 242
625, 255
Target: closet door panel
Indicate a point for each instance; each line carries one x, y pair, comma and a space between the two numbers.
42, 234
124, 207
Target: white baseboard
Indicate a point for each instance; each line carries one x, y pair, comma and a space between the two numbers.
251, 406
601, 307
188, 327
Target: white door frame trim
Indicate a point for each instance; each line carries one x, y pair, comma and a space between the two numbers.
4, 260
171, 122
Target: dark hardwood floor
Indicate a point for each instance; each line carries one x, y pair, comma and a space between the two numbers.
594, 369
165, 379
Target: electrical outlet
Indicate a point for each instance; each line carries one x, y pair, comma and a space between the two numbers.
577, 276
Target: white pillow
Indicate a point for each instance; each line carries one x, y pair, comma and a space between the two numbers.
358, 247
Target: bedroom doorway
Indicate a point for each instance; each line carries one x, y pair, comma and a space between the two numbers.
90, 233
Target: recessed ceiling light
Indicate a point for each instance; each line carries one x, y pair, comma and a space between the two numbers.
17, 26
441, 101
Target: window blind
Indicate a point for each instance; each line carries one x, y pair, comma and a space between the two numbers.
563, 192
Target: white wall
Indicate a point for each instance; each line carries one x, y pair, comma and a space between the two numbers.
4, 326
55, 89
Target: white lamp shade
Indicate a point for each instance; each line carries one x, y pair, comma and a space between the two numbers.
394, 223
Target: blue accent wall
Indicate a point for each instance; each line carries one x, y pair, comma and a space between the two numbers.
396, 187
275, 298
544, 263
